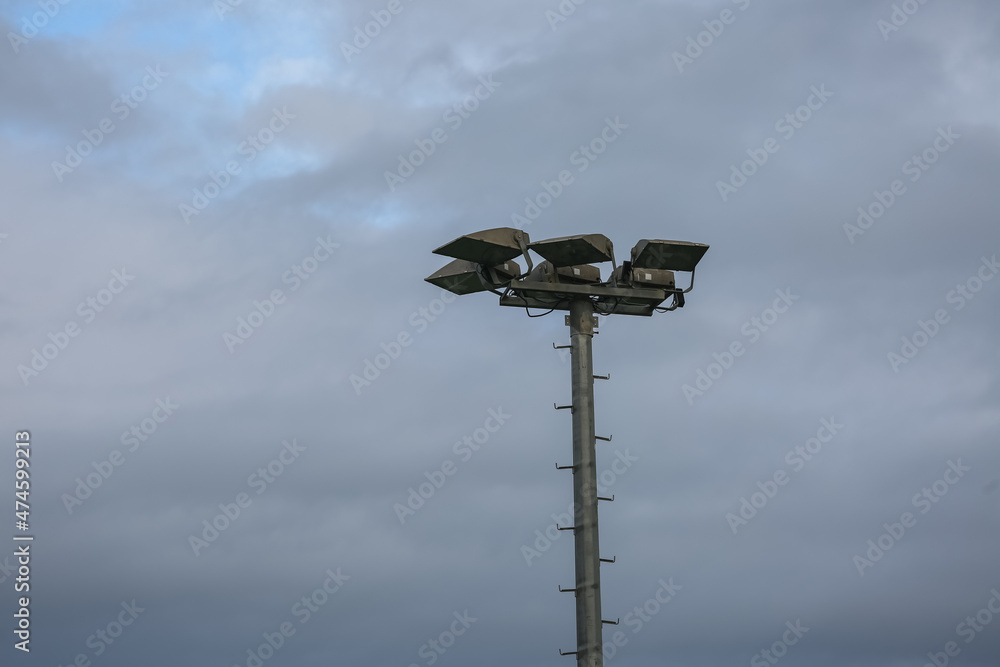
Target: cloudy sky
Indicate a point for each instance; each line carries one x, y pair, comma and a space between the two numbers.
258, 437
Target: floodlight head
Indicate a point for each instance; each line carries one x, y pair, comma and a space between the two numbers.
573, 250
464, 277
667, 255
489, 247
581, 274
653, 278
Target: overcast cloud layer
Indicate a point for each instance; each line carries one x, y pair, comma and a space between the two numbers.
810, 443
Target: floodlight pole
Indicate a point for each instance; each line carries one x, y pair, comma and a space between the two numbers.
483, 261
589, 623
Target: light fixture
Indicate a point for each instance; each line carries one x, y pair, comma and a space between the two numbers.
581, 274
653, 278
489, 247
573, 250
667, 255
464, 277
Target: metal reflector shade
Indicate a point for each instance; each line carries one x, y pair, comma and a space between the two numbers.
573, 250
490, 246
668, 255
653, 278
462, 277
582, 274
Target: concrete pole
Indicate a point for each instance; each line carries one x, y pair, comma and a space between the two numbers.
589, 627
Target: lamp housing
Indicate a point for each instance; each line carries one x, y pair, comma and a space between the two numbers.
667, 255
575, 250
581, 274
490, 246
464, 277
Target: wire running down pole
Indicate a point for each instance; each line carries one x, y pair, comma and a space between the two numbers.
589, 635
